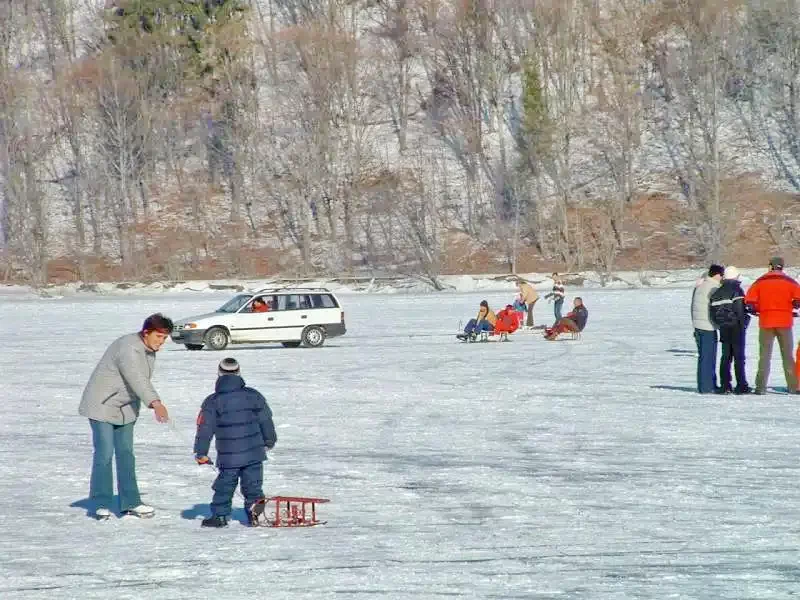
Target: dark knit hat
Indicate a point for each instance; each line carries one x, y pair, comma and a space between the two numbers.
714, 270
228, 366
776, 262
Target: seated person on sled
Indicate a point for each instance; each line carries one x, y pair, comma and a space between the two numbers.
574, 322
507, 320
485, 321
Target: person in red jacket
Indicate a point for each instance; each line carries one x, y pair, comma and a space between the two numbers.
773, 297
507, 320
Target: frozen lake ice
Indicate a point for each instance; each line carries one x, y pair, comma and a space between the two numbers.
532, 469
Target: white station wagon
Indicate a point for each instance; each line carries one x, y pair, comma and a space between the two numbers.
291, 316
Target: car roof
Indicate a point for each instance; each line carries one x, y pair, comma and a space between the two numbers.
294, 290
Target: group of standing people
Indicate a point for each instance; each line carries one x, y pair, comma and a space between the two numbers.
721, 313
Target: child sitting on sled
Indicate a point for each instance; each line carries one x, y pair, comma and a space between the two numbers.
507, 320
574, 322
244, 419
485, 321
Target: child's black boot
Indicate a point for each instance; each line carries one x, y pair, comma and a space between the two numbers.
215, 522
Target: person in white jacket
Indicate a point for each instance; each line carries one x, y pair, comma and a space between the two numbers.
705, 333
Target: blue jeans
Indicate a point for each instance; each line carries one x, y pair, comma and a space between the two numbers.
557, 309
706, 361
475, 326
109, 441
251, 476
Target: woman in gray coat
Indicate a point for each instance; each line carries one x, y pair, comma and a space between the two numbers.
118, 387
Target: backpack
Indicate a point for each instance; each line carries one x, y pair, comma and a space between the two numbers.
722, 313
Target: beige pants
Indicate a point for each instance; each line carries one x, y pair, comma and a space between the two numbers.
766, 338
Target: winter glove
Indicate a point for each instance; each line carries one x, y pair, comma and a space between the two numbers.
203, 460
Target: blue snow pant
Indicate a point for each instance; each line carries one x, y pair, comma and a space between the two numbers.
706, 361
251, 476
475, 326
110, 441
557, 308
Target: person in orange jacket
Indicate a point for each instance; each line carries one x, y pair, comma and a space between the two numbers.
507, 320
773, 297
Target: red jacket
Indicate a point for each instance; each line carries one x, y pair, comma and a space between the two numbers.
507, 321
773, 296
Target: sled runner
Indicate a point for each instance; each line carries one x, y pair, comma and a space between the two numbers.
484, 336
290, 511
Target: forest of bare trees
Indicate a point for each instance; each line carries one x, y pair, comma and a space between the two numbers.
172, 138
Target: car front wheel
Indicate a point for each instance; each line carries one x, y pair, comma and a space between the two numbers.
313, 337
217, 338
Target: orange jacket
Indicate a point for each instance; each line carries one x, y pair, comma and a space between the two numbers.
507, 321
773, 296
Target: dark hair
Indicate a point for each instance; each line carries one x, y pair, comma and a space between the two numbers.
158, 322
259, 299
715, 270
484, 303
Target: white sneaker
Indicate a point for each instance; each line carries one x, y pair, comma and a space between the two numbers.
142, 511
101, 514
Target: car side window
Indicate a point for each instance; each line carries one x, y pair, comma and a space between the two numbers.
290, 302
305, 302
323, 301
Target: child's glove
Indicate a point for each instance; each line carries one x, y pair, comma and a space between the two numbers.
203, 460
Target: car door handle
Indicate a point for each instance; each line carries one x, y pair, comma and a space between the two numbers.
303, 316
270, 318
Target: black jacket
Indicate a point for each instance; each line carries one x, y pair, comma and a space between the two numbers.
579, 315
728, 311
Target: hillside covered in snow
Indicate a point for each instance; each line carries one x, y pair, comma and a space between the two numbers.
169, 140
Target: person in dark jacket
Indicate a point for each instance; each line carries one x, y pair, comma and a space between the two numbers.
729, 315
241, 421
574, 322
557, 295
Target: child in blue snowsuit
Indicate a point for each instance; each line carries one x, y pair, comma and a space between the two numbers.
240, 419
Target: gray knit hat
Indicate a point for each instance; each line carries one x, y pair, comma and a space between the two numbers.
228, 366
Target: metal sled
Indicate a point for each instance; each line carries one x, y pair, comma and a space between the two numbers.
294, 511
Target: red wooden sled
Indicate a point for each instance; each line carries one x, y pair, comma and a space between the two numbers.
295, 511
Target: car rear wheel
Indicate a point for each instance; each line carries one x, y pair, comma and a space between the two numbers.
217, 338
194, 346
313, 337
291, 344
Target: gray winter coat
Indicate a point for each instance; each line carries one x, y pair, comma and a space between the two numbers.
120, 382
701, 304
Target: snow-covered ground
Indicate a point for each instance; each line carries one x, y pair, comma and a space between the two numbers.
532, 469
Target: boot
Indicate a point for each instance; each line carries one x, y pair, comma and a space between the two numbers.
217, 521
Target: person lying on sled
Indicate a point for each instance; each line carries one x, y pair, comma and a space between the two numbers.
574, 322
507, 320
485, 321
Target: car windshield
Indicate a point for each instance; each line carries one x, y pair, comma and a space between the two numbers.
235, 303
